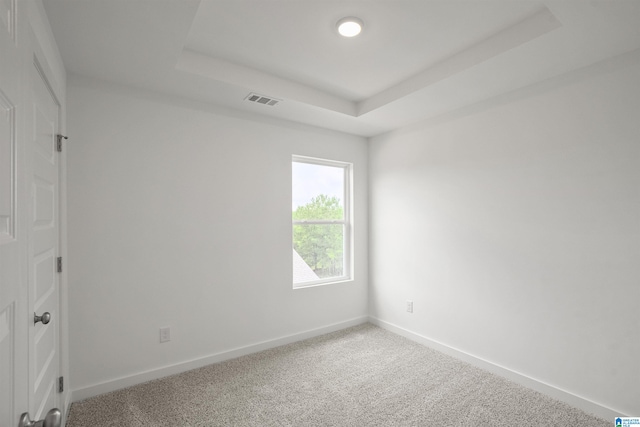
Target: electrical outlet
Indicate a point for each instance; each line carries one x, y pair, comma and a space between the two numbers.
409, 306
165, 334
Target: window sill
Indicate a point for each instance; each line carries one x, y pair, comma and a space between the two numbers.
337, 281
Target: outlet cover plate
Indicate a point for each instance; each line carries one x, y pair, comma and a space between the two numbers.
165, 334
409, 306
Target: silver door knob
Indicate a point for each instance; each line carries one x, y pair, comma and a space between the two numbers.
52, 419
45, 318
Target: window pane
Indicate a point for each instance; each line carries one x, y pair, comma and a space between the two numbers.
320, 248
318, 191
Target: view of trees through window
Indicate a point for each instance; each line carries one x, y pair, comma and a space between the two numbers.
320, 245
319, 221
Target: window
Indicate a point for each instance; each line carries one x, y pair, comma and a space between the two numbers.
321, 218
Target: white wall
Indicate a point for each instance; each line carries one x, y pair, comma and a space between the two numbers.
515, 229
181, 217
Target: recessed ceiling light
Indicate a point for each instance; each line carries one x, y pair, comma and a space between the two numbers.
349, 27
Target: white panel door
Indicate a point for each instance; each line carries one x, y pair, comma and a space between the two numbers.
13, 246
43, 247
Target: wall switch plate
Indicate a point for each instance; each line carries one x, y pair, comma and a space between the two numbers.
409, 306
165, 334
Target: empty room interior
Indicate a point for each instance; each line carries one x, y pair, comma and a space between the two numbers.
459, 182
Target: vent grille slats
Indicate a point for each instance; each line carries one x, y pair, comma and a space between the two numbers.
260, 99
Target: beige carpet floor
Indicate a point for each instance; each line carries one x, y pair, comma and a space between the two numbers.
361, 376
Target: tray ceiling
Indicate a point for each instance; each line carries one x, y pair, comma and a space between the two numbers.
415, 59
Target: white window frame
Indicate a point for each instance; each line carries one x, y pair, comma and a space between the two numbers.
347, 221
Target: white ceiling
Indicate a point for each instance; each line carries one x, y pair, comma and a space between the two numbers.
415, 59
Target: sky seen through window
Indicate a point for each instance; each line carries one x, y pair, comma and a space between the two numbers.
311, 180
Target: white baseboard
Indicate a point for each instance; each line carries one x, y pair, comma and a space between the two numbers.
153, 374
539, 386
549, 390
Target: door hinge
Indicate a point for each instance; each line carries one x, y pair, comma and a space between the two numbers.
59, 264
59, 142
60, 384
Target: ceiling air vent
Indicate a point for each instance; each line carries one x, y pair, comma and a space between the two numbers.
266, 100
